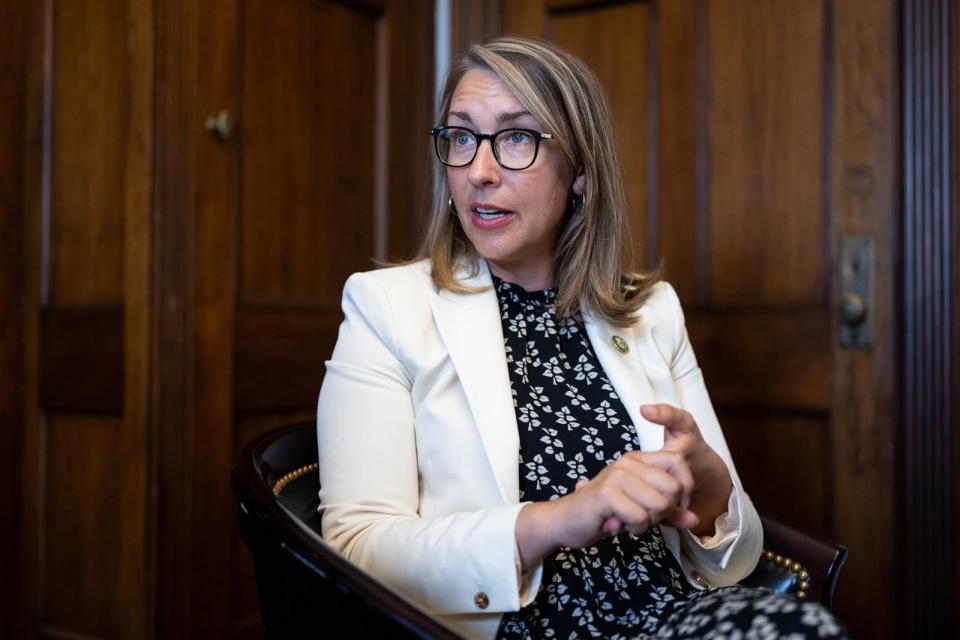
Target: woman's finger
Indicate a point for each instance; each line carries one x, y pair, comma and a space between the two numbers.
676, 466
676, 420
623, 509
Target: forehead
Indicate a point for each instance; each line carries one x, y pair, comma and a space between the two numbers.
483, 90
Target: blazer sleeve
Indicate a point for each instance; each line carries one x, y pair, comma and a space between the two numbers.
370, 482
731, 556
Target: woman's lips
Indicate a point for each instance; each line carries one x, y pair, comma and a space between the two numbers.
486, 217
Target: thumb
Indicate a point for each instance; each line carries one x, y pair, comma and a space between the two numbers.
683, 518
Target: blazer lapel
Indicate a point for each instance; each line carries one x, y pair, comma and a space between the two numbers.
639, 376
470, 327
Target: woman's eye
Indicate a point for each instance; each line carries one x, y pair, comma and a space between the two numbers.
462, 139
519, 137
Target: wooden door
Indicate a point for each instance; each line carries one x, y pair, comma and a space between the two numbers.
84, 555
754, 136
320, 169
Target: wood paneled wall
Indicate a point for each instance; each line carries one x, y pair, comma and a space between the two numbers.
166, 294
168, 291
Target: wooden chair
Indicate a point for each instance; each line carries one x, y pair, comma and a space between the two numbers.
308, 589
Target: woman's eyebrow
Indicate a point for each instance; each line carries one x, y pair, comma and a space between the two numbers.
461, 114
513, 115
503, 117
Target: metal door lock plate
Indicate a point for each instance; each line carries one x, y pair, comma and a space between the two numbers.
855, 307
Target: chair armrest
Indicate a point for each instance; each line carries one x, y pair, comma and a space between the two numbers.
797, 563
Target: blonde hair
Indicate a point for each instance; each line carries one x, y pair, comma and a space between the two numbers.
593, 259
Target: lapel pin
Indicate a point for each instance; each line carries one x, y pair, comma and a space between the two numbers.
620, 344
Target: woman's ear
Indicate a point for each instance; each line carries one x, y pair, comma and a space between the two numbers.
580, 184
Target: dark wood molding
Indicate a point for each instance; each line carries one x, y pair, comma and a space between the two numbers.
175, 119
13, 53
928, 316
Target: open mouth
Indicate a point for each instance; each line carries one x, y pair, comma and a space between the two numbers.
488, 217
490, 214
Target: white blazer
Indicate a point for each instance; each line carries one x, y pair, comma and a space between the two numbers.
419, 447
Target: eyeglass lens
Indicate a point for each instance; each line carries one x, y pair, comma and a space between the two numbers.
515, 148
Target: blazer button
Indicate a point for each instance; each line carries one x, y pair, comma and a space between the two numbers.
481, 600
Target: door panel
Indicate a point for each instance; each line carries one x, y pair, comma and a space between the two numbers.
620, 60
83, 456
88, 153
765, 133
792, 450
308, 170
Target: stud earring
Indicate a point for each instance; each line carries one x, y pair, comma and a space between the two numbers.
576, 202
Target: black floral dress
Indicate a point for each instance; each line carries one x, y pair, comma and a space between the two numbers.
572, 424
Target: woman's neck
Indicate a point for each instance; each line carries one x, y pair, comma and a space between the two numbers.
531, 278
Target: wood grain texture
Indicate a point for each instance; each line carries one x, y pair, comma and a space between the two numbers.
524, 18
32, 451
864, 200
280, 356
766, 232
213, 238
307, 195
81, 567
89, 149
679, 236
177, 128
619, 59
87, 183
797, 446
474, 21
409, 112
789, 369
136, 508
82, 359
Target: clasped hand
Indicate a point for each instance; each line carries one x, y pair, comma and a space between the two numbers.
685, 485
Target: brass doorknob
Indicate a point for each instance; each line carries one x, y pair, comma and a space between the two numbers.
220, 124
852, 309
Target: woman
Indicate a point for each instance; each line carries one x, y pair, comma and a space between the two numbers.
523, 335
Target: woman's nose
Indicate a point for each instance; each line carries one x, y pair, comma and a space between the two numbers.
484, 169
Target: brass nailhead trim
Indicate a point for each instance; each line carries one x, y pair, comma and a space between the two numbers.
795, 567
296, 474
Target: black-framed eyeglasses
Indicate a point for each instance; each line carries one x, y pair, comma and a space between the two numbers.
513, 149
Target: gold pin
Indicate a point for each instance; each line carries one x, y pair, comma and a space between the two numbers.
620, 344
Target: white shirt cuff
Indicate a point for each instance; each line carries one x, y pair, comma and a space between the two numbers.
528, 581
725, 527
